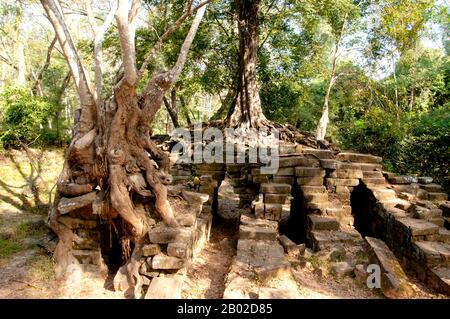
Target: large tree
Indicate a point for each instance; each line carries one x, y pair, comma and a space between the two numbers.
111, 147
246, 108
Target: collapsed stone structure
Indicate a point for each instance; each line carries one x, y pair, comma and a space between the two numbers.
318, 197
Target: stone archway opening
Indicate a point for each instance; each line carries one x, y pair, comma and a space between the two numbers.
363, 205
294, 225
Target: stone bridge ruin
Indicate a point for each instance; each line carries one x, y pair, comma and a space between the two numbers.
318, 199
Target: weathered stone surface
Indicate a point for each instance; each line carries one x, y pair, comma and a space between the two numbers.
273, 211
297, 161
318, 222
316, 197
93, 257
418, 227
342, 182
259, 179
309, 172
432, 253
162, 261
161, 234
186, 219
258, 233
284, 179
313, 189
374, 181
73, 223
290, 248
432, 188
383, 194
324, 238
360, 274
425, 180
272, 188
310, 181
394, 282
425, 213
347, 173
319, 153
275, 198
404, 179
193, 197
438, 197
66, 205
285, 171
179, 250
150, 250
372, 174
341, 269
164, 288
329, 163
358, 158
259, 210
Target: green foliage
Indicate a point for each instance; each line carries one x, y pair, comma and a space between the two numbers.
23, 117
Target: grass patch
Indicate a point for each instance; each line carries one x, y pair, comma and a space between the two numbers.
8, 247
43, 267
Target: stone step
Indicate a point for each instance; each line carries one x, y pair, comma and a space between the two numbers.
273, 188
425, 179
257, 233
359, 158
313, 189
383, 194
432, 188
374, 180
372, 174
437, 197
317, 222
293, 161
347, 173
316, 197
310, 181
403, 179
432, 253
309, 172
440, 279
369, 167
322, 154
321, 239
418, 227
394, 282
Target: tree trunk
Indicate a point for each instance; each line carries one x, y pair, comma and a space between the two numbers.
111, 154
246, 108
172, 107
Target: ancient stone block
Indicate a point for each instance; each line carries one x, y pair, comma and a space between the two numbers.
313, 189
438, 197
259, 210
283, 179
319, 153
358, 158
394, 282
179, 250
66, 205
290, 248
162, 261
258, 233
403, 179
425, 180
418, 227
329, 163
318, 222
164, 288
150, 250
342, 182
309, 172
310, 181
161, 234
285, 171
347, 173
432, 188
275, 198
272, 211
297, 161
272, 188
